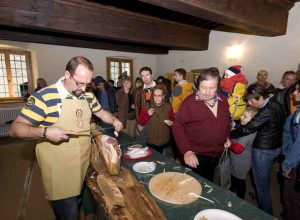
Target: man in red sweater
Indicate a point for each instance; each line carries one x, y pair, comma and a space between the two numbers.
202, 125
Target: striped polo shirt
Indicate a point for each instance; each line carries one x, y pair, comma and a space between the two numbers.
43, 107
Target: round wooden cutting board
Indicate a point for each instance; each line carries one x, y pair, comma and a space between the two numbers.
174, 187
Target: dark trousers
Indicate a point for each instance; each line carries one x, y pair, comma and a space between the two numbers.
291, 198
160, 148
170, 150
207, 165
65, 209
238, 186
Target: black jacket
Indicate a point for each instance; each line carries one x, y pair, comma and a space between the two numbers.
268, 123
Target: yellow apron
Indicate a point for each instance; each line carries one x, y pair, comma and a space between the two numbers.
64, 164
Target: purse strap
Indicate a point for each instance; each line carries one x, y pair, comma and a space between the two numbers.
224, 154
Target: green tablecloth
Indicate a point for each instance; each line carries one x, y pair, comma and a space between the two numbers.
223, 199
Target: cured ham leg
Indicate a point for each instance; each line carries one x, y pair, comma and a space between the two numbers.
109, 151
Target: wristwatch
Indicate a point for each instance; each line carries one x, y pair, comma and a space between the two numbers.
45, 132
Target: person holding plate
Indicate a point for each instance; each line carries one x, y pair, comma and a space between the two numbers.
158, 116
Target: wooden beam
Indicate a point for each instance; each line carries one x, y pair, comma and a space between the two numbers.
81, 18
19, 34
260, 17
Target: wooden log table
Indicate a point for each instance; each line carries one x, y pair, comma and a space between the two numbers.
223, 200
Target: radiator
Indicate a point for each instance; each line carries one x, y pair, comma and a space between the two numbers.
6, 116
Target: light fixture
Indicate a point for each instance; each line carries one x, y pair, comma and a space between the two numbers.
234, 54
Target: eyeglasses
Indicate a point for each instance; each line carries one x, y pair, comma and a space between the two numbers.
157, 95
79, 84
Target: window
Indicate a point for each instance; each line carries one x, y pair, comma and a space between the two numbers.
195, 74
15, 74
118, 67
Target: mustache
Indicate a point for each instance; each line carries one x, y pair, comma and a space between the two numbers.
78, 92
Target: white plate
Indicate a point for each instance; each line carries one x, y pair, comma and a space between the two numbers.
216, 214
144, 167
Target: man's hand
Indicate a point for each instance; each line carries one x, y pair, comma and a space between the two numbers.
117, 125
56, 134
22, 128
109, 118
287, 174
191, 159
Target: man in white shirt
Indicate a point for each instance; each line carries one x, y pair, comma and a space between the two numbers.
144, 92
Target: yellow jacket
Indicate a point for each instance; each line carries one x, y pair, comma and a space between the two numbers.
236, 101
180, 92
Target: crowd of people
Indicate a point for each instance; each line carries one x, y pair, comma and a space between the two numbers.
225, 111
193, 122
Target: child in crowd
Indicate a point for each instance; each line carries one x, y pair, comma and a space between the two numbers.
240, 155
233, 85
159, 116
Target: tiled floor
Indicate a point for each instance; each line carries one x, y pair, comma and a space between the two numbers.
277, 206
15, 162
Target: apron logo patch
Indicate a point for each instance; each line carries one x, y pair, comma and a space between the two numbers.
79, 123
79, 114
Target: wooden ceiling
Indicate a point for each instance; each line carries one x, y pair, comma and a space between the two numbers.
146, 26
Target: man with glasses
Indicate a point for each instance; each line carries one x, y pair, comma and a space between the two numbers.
59, 118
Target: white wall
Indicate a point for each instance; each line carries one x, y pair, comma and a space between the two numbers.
275, 54
49, 61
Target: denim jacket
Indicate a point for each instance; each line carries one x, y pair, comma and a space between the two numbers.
291, 150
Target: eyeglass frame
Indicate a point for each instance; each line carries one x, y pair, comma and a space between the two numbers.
159, 95
78, 84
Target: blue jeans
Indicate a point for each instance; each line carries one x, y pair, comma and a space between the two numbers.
262, 162
66, 209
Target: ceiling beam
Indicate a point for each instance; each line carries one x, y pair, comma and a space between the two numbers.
81, 18
17, 34
259, 17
